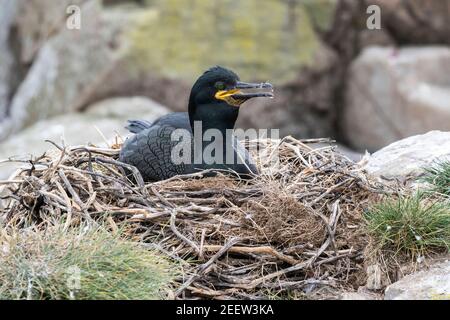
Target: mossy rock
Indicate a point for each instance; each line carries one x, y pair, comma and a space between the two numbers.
263, 40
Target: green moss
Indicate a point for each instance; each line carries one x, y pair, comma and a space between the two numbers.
262, 39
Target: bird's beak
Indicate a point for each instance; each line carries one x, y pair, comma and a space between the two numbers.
244, 91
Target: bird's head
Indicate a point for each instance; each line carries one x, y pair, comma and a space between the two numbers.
217, 95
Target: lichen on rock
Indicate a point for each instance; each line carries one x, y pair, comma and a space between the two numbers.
263, 40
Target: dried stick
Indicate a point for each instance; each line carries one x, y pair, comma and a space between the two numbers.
179, 235
258, 250
203, 269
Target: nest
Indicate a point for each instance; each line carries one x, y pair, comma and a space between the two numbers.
295, 228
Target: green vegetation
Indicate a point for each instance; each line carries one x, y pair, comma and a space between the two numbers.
262, 39
81, 263
438, 176
410, 224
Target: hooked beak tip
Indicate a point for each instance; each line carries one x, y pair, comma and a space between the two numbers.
268, 93
247, 85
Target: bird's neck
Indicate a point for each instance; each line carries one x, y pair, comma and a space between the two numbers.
214, 117
212, 127
202, 126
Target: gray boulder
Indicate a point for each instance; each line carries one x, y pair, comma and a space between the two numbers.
393, 94
361, 294
431, 284
25, 25
416, 22
64, 73
406, 158
39, 20
7, 14
124, 108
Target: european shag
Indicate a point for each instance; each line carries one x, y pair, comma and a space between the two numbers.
213, 104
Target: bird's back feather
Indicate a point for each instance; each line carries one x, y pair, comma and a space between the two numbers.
136, 126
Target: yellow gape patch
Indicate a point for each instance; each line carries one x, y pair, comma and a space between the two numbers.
227, 95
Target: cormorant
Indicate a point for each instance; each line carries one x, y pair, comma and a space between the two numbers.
213, 104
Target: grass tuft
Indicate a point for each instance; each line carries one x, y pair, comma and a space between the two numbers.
80, 264
438, 176
412, 224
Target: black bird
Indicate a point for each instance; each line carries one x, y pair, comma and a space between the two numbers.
213, 104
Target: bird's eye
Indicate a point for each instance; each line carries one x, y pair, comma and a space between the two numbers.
220, 85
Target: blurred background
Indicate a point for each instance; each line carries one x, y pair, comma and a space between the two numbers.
334, 76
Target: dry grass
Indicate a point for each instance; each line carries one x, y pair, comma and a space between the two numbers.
296, 227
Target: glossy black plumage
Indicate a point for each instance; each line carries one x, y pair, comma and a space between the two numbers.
150, 148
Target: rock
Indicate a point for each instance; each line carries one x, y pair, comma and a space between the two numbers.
416, 22
393, 94
407, 158
37, 21
354, 296
431, 284
264, 41
7, 14
125, 108
376, 279
358, 296
121, 2
25, 25
372, 38
321, 13
65, 74
363, 293
109, 116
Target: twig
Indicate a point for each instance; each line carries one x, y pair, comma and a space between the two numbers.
202, 269
258, 250
74, 194
179, 235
